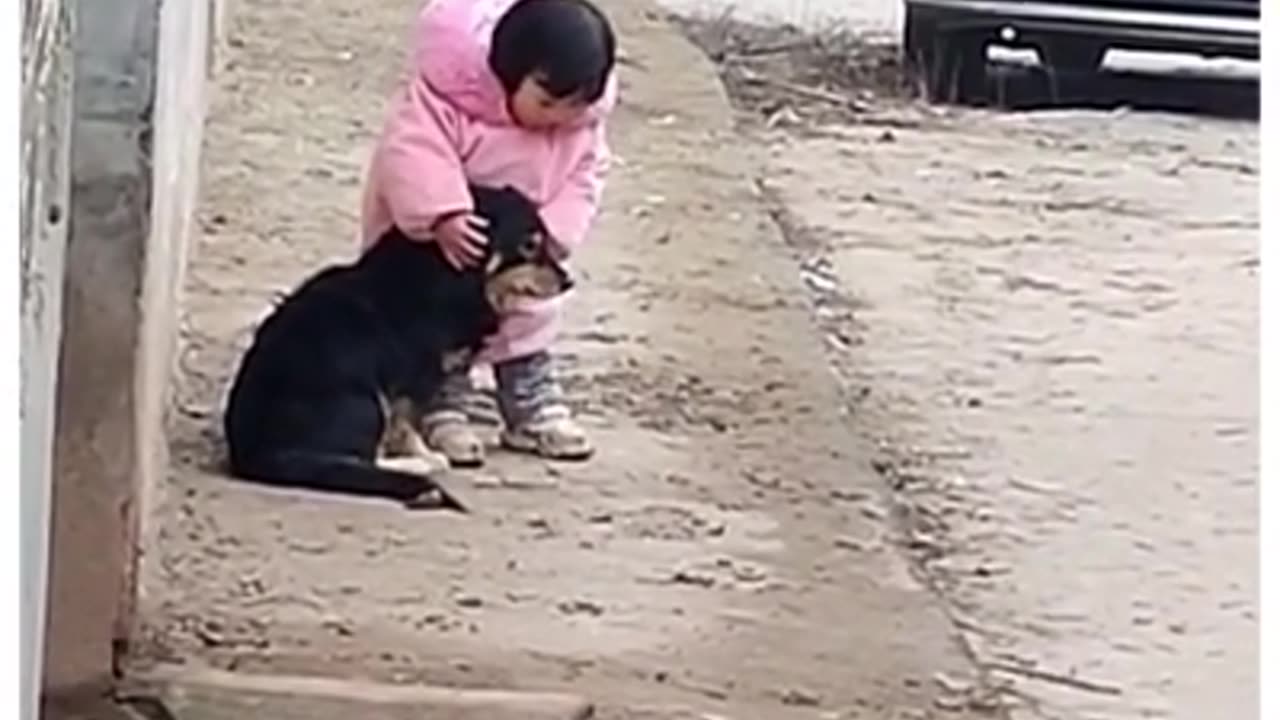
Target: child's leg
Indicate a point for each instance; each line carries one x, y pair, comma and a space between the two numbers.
445, 426
533, 410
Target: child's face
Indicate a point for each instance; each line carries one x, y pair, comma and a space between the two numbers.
533, 107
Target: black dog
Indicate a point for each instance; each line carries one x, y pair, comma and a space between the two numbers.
321, 391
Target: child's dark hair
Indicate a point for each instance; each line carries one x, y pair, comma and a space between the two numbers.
569, 43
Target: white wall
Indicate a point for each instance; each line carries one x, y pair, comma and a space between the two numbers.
142, 70
876, 16
46, 114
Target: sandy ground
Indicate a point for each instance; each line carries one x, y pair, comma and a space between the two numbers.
729, 553
1046, 324
1054, 345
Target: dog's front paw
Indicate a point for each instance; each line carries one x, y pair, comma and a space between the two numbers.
435, 497
433, 462
432, 498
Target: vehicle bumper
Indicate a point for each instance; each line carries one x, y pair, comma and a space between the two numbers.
1138, 29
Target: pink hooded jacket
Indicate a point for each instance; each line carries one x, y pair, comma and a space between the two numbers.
448, 125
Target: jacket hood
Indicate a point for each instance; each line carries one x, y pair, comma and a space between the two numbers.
451, 43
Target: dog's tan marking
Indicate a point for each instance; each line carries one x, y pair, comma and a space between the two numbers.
389, 439
413, 465
401, 438
434, 495
456, 360
537, 282
392, 441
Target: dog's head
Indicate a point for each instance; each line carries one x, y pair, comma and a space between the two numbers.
519, 266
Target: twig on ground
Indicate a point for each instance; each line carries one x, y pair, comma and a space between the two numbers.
805, 91
776, 48
1052, 677
721, 30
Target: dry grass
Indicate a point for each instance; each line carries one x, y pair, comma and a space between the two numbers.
783, 75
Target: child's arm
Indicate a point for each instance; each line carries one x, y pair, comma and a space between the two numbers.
569, 213
418, 161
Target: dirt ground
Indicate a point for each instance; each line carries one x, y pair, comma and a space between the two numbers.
1046, 323
1057, 354
727, 554
903, 413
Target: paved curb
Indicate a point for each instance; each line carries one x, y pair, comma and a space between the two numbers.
207, 694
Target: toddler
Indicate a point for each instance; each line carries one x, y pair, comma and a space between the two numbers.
501, 92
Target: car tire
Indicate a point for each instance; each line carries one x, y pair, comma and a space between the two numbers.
948, 66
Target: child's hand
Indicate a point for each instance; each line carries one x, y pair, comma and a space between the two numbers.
462, 239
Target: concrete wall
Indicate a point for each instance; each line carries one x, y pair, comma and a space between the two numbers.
43, 186
139, 107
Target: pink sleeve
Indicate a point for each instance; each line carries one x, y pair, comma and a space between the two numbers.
418, 162
570, 212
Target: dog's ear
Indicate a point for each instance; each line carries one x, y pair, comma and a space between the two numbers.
490, 202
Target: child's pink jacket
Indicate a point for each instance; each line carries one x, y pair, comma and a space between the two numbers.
448, 125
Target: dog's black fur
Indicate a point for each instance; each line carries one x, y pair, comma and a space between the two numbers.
309, 405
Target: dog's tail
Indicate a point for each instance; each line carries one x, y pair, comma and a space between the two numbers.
346, 474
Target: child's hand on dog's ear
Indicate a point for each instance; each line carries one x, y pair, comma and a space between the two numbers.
462, 239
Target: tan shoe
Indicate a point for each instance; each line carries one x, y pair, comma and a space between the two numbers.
552, 434
448, 433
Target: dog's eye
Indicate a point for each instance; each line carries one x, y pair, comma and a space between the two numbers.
531, 245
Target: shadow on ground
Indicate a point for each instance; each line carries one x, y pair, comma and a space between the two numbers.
1023, 88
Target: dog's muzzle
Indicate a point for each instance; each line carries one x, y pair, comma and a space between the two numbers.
563, 276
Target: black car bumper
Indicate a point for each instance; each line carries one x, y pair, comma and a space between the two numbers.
1151, 26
